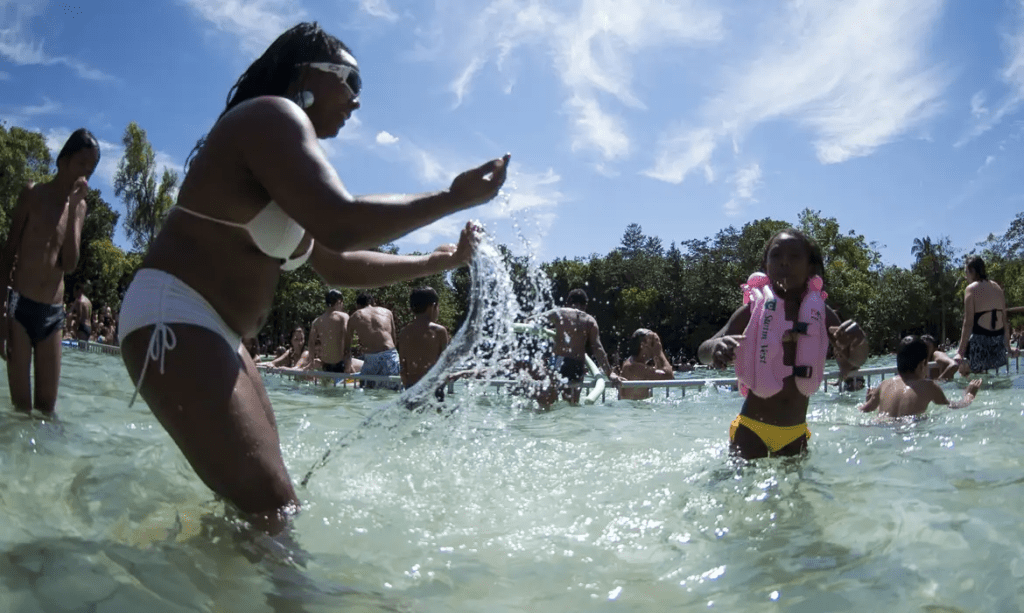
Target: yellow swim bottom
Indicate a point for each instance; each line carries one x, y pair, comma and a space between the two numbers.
774, 437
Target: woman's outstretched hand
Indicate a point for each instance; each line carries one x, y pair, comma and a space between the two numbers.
468, 240
480, 184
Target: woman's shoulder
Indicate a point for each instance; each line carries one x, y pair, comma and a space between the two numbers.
267, 112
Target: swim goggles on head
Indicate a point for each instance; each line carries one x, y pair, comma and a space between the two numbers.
348, 74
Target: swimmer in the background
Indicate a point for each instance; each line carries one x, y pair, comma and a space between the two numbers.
576, 334
945, 366
327, 335
776, 424
295, 356
423, 340
375, 328
81, 312
43, 244
646, 362
910, 392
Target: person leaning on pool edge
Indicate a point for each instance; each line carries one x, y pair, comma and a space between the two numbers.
259, 196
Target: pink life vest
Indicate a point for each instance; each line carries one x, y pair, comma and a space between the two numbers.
759, 366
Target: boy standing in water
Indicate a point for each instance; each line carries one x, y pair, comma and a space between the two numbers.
423, 340
42, 246
774, 421
911, 391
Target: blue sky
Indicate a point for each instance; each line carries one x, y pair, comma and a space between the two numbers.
900, 119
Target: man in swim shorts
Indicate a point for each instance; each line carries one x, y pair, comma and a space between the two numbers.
375, 327
327, 334
42, 246
576, 334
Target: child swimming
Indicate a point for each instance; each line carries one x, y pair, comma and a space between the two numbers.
910, 393
780, 364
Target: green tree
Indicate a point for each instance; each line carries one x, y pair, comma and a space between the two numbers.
146, 202
934, 262
851, 264
24, 157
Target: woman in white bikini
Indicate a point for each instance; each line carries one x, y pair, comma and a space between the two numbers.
260, 197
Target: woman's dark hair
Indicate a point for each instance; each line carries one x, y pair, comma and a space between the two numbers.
977, 265
813, 251
79, 139
273, 72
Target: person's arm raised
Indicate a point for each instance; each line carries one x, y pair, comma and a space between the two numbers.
280, 148
368, 269
77, 208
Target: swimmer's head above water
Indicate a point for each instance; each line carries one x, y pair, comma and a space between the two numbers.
790, 259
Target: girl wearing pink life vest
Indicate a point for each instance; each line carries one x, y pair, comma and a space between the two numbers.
778, 340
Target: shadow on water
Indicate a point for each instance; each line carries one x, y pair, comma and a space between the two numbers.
221, 566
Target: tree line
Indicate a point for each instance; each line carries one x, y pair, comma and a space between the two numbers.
685, 292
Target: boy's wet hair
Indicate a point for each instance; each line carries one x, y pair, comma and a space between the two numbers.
334, 296
577, 297
79, 139
911, 352
977, 265
273, 72
364, 299
813, 251
636, 340
421, 299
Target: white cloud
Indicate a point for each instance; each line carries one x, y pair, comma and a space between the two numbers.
255, 23
18, 47
680, 152
978, 109
854, 73
378, 8
593, 128
25, 114
1012, 75
591, 46
460, 85
745, 181
386, 138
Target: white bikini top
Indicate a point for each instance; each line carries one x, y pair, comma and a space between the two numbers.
272, 231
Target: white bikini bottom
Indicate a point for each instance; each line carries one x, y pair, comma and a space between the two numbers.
156, 298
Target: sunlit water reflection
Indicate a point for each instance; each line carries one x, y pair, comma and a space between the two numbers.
621, 506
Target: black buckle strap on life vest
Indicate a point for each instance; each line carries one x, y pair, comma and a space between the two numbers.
801, 327
804, 372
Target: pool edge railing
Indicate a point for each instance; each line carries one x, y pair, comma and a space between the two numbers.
354, 379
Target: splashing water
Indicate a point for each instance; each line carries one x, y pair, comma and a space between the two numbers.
486, 347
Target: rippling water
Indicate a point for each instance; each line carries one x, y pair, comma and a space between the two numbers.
625, 506
488, 506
